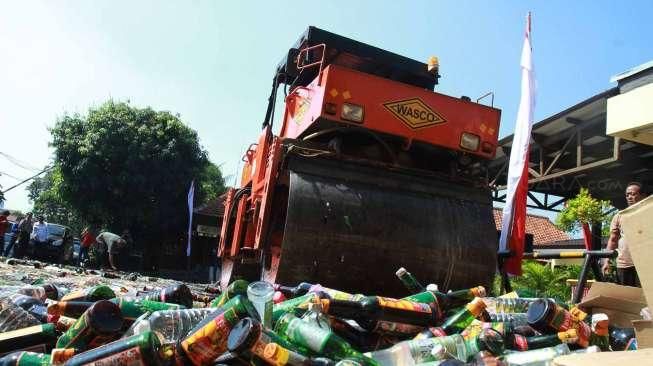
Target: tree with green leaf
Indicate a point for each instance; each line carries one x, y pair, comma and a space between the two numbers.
583, 209
130, 168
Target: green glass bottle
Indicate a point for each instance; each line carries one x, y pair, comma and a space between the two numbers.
208, 339
449, 300
238, 287
456, 323
140, 349
132, 308
99, 324
375, 308
41, 337
298, 305
411, 283
292, 292
319, 340
92, 294
249, 337
23, 358
520, 343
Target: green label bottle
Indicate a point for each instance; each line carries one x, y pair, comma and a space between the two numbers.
132, 308
140, 349
92, 294
319, 340
99, 324
39, 337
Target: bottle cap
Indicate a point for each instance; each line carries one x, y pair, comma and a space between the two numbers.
401, 271
275, 354
432, 287
578, 314
105, 317
568, 336
600, 324
478, 291
243, 335
538, 312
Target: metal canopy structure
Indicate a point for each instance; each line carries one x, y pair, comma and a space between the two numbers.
570, 150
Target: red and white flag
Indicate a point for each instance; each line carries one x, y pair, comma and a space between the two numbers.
513, 228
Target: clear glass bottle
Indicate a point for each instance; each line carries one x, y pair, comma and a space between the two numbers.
538, 357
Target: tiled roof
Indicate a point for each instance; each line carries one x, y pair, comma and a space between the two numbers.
543, 230
214, 207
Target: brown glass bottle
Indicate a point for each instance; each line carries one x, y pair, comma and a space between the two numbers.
382, 308
176, 294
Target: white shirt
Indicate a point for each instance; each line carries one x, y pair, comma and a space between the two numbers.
40, 231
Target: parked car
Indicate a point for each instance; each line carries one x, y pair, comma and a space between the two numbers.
59, 238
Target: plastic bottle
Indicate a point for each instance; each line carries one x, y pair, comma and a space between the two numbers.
98, 325
140, 349
318, 340
169, 325
437, 349
260, 293
411, 283
30, 337
13, 317
620, 337
538, 357
30, 304
23, 358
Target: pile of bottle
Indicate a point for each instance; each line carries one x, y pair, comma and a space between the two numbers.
261, 323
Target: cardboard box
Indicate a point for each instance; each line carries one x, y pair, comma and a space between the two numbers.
622, 304
640, 357
636, 223
644, 333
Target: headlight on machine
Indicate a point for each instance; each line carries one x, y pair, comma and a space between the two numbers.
352, 112
469, 141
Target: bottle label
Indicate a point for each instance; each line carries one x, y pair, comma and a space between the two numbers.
314, 338
128, 357
387, 302
420, 350
521, 344
23, 332
60, 355
383, 326
74, 295
210, 341
339, 295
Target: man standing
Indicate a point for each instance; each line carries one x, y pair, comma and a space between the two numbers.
4, 225
39, 233
24, 230
626, 273
113, 244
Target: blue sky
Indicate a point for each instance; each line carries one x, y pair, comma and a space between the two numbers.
212, 61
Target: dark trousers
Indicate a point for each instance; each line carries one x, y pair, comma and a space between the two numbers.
628, 277
83, 254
